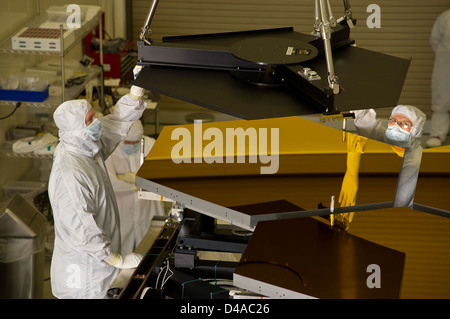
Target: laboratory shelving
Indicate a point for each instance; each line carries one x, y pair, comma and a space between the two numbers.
77, 35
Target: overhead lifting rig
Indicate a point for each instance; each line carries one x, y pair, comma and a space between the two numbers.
279, 67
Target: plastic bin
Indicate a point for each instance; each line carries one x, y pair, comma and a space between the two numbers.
22, 250
60, 13
24, 96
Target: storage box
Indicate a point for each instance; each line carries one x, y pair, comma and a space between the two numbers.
60, 14
46, 37
24, 96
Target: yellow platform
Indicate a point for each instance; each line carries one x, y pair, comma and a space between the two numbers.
310, 155
304, 147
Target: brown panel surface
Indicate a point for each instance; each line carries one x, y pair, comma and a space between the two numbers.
309, 257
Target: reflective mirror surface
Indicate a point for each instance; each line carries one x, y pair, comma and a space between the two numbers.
283, 159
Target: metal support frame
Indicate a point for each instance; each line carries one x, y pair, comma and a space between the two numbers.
240, 219
348, 14
102, 76
158, 252
62, 57
146, 28
329, 35
324, 21
327, 21
63, 69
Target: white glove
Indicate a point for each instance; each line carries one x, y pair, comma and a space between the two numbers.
126, 262
365, 118
137, 92
136, 70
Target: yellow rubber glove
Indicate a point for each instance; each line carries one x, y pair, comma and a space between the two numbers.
350, 183
355, 147
127, 177
356, 143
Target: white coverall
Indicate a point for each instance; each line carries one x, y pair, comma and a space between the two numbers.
135, 214
369, 126
440, 81
86, 217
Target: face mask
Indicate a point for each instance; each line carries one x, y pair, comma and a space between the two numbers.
131, 148
397, 136
94, 130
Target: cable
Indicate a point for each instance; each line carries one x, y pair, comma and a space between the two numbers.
157, 278
15, 109
218, 292
166, 279
184, 283
215, 271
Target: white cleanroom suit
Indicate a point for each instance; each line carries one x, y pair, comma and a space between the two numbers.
87, 233
135, 214
440, 80
368, 126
